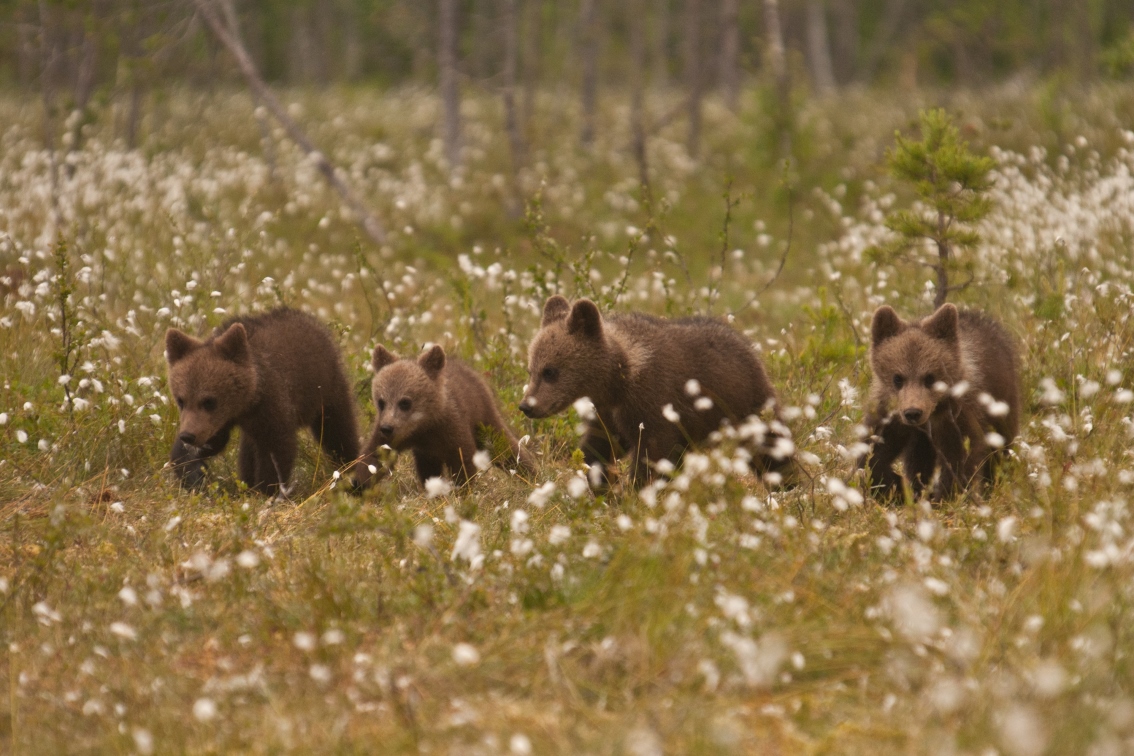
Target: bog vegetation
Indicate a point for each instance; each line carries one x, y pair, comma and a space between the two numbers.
520, 613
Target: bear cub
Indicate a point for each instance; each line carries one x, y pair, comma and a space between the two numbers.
657, 386
436, 407
268, 375
945, 399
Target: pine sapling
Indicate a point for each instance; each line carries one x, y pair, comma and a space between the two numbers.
951, 183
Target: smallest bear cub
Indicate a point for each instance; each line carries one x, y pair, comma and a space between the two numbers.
945, 398
437, 408
269, 375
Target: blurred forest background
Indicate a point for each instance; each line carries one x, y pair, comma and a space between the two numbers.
82, 53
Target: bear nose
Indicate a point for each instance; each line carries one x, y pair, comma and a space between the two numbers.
526, 408
912, 415
387, 430
187, 438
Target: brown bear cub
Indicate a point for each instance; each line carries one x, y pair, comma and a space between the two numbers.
945, 398
657, 386
268, 375
436, 407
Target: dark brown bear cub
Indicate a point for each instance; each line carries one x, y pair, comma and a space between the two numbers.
945, 398
268, 375
438, 409
656, 385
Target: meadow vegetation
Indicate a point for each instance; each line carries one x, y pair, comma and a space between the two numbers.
521, 614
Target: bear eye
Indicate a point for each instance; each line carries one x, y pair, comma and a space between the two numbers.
180, 402
404, 405
929, 380
899, 380
550, 374
208, 405
381, 404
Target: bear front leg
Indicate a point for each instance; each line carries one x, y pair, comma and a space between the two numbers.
888, 439
270, 465
188, 461
957, 454
369, 457
337, 433
599, 449
459, 458
919, 460
427, 466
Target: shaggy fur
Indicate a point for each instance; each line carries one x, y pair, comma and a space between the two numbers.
941, 385
631, 366
269, 375
436, 407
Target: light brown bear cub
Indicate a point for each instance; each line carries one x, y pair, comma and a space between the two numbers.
637, 370
945, 398
435, 407
269, 375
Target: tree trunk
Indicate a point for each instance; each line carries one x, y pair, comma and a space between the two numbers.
637, 20
891, 22
530, 69
818, 48
661, 45
730, 52
369, 223
267, 144
450, 91
845, 40
588, 21
693, 79
84, 88
511, 19
777, 64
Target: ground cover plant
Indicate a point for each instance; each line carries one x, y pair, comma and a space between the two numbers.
521, 614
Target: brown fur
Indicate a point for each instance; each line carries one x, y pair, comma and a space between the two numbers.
269, 375
630, 366
909, 415
436, 407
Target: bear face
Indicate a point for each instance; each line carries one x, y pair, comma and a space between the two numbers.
915, 364
567, 359
213, 382
408, 394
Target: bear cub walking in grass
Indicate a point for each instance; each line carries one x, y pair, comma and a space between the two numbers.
657, 385
945, 398
269, 375
436, 407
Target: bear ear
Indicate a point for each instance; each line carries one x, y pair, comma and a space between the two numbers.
886, 324
555, 308
943, 323
432, 360
233, 344
585, 320
178, 344
382, 357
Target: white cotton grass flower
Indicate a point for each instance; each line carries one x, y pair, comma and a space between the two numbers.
423, 535
913, 613
435, 487
1051, 395
703, 403
1023, 731
519, 521
465, 655
520, 745
670, 414
692, 387
482, 460
540, 496
467, 545
558, 534
848, 394
143, 741
43, 445
994, 439
1113, 377
248, 559
22, 436
124, 631
592, 550
304, 640
577, 487
3, 418
1006, 529
960, 388
320, 673
128, 595
204, 709
585, 408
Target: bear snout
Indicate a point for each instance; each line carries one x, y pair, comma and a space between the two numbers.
187, 438
387, 430
913, 415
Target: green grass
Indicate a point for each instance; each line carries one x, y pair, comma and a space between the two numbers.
711, 617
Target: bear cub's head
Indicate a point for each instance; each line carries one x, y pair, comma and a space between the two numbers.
213, 381
408, 394
915, 363
566, 358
